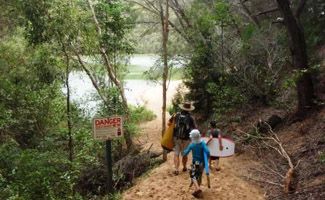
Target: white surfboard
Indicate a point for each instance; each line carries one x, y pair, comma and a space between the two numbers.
228, 147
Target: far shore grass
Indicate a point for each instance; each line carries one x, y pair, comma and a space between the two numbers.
137, 73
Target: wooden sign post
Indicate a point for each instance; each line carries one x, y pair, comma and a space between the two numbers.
109, 166
106, 129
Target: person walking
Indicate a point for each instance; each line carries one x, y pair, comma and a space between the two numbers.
184, 124
214, 132
198, 149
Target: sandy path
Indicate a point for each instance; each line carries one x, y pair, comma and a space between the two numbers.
161, 184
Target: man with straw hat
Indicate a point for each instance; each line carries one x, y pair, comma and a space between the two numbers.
184, 123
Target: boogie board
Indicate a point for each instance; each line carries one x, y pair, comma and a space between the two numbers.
167, 139
228, 147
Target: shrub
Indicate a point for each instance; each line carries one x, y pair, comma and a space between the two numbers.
30, 174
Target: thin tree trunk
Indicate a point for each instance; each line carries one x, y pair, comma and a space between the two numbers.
111, 75
109, 67
164, 23
69, 122
93, 81
305, 88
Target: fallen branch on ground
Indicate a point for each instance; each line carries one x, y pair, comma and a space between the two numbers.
264, 181
289, 177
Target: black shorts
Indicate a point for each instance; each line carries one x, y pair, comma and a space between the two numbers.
214, 158
196, 172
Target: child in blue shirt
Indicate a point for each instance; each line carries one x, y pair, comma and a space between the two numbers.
198, 147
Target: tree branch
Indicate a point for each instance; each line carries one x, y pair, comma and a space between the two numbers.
93, 81
300, 8
107, 62
264, 181
249, 14
266, 11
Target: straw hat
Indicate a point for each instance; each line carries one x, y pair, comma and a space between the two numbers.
187, 106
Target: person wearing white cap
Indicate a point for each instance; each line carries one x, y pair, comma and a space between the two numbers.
198, 148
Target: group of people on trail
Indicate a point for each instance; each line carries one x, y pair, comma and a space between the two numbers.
187, 138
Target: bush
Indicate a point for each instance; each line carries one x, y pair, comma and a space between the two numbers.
30, 174
140, 114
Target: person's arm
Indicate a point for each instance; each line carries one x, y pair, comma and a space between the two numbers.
171, 119
193, 123
187, 150
210, 136
205, 149
220, 141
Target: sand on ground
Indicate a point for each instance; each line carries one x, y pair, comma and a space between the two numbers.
161, 184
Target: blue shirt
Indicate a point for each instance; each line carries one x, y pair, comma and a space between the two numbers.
197, 151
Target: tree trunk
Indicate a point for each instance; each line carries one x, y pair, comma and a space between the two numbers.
70, 144
305, 89
164, 23
112, 76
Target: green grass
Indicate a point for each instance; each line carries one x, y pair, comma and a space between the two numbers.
177, 74
136, 72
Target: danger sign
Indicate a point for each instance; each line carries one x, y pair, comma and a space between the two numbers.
107, 128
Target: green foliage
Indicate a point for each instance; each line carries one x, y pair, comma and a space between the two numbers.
260, 58
224, 97
291, 79
322, 157
252, 137
141, 114
30, 89
36, 13
137, 114
33, 121
232, 62
171, 109
313, 20
223, 15
29, 174
114, 107
116, 23
223, 71
248, 32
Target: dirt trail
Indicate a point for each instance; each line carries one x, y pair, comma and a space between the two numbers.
161, 184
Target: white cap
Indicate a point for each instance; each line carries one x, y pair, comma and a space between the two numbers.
195, 136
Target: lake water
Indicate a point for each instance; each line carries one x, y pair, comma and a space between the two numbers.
138, 92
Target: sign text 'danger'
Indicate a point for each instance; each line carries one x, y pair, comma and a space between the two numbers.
107, 128
108, 122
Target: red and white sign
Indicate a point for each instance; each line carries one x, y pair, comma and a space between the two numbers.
107, 128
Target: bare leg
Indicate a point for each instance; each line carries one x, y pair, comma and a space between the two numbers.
196, 184
176, 161
217, 165
184, 161
198, 192
210, 166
